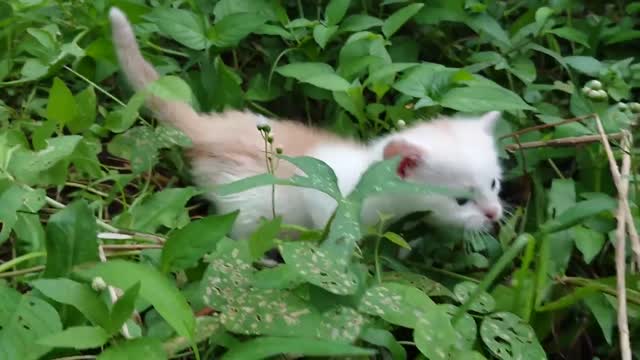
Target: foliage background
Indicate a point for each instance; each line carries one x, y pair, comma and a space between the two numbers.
77, 147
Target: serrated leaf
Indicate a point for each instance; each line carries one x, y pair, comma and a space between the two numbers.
61, 106
77, 337
187, 245
78, 295
154, 288
395, 21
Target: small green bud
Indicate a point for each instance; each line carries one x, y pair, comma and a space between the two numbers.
279, 150
634, 107
585, 91
622, 106
401, 124
270, 138
594, 84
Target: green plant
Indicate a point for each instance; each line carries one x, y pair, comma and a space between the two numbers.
94, 197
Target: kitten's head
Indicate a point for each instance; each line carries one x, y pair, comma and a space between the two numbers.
458, 153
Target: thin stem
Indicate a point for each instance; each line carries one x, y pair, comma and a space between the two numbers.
112, 294
10, 274
13, 262
376, 259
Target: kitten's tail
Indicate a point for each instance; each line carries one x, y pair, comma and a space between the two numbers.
140, 73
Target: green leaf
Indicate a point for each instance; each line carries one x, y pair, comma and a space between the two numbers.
31, 167
396, 239
62, 106
233, 28
164, 208
122, 119
123, 308
604, 313
23, 320
335, 11
571, 34
483, 303
181, 25
588, 241
509, 337
481, 98
78, 295
317, 74
384, 338
263, 238
396, 303
77, 337
14, 198
154, 288
140, 145
71, 239
322, 34
147, 348
170, 87
585, 64
319, 267
187, 245
266, 347
485, 23
395, 21
359, 22
428, 286
86, 114
434, 335
578, 213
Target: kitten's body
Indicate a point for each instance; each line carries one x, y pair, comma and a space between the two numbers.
227, 146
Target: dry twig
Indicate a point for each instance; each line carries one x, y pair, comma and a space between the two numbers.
622, 184
567, 141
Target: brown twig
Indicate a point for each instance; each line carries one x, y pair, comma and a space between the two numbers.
622, 184
9, 274
567, 141
545, 126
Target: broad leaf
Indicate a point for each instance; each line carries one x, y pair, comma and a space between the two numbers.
394, 22
147, 348
265, 347
77, 337
62, 106
480, 98
181, 25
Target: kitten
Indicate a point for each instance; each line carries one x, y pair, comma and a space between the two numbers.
455, 152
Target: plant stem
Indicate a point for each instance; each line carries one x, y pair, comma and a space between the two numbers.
13, 262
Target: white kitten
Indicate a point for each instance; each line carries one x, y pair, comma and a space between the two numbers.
453, 152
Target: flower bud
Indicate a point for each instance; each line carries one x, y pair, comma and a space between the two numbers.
634, 107
98, 284
594, 84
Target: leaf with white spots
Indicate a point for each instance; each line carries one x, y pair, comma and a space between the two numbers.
345, 230
396, 303
484, 304
228, 274
430, 287
466, 328
320, 267
269, 312
509, 337
341, 324
434, 335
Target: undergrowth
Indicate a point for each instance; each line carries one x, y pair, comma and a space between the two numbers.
108, 251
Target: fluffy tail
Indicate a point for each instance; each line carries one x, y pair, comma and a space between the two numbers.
141, 73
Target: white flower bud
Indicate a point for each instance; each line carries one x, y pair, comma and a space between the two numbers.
98, 284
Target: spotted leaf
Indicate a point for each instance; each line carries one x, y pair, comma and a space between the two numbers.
430, 287
341, 324
396, 303
466, 328
320, 268
484, 303
509, 337
434, 335
228, 274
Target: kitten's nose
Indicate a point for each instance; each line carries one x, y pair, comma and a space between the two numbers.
491, 212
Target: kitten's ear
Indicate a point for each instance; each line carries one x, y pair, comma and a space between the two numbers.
489, 120
411, 155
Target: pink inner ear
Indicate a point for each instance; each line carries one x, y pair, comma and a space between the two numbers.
410, 154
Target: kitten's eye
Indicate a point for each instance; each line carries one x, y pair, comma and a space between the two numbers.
462, 201
493, 184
